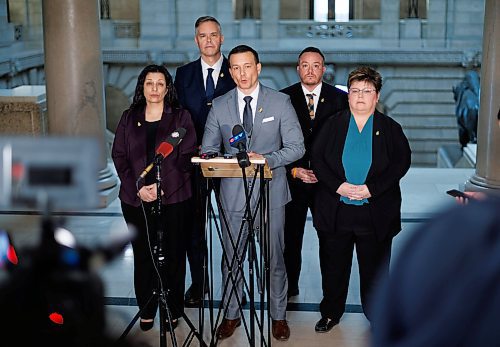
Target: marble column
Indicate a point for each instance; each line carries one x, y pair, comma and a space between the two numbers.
487, 176
74, 78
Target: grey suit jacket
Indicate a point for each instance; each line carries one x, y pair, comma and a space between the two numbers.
276, 135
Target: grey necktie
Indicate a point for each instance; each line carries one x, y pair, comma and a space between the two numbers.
247, 115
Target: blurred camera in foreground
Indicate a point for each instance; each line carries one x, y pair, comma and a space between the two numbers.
59, 171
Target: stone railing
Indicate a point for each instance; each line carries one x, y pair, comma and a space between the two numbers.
328, 30
126, 29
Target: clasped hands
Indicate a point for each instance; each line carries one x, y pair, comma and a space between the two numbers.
148, 193
353, 191
305, 175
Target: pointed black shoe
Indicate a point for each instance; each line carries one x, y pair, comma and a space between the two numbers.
324, 325
145, 326
175, 322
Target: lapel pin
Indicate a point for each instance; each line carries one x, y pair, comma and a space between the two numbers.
377, 133
139, 124
260, 110
221, 74
322, 99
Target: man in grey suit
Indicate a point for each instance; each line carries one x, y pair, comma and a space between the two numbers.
273, 134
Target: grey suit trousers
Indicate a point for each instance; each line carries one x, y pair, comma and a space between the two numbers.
278, 278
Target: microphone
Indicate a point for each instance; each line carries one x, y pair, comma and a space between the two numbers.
164, 150
239, 141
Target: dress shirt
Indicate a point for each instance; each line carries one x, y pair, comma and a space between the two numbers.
315, 92
253, 103
215, 74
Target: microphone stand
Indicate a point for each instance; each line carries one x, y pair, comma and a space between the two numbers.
250, 239
160, 292
165, 313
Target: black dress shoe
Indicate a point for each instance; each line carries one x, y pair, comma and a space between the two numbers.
175, 322
145, 326
293, 292
324, 325
193, 296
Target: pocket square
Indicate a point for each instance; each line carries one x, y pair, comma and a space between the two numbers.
268, 119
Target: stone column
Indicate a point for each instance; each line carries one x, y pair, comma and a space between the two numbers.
270, 15
437, 22
74, 79
158, 20
487, 174
389, 16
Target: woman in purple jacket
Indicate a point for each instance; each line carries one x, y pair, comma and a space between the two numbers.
153, 116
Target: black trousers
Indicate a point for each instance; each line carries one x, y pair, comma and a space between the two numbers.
172, 227
197, 244
353, 228
295, 221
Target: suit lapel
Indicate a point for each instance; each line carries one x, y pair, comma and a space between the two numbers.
233, 107
198, 77
260, 112
165, 125
224, 78
300, 102
323, 100
377, 134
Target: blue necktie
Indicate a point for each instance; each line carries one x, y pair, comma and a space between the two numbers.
247, 115
210, 85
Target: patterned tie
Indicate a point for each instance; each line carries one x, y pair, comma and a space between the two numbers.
210, 85
247, 115
310, 105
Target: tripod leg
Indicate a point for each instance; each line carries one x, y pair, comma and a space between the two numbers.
136, 317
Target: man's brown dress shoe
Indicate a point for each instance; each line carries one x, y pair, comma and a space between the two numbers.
281, 331
227, 328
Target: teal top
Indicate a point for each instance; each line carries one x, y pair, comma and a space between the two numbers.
357, 156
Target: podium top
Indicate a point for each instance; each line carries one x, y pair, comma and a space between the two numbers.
223, 167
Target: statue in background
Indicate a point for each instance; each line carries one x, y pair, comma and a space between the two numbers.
466, 95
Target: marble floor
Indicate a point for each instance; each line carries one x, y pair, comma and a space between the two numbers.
423, 194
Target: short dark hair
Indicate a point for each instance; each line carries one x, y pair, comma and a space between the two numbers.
365, 73
243, 49
204, 19
311, 50
171, 96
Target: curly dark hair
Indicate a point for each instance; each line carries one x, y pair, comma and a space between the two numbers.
171, 96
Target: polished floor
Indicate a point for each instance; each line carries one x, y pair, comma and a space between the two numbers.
423, 194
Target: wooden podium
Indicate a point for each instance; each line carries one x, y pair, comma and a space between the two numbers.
222, 167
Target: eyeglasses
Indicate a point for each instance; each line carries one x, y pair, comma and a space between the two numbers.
356, 91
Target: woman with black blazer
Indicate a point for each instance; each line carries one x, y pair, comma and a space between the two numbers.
359, 156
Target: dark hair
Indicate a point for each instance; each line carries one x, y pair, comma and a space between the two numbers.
311, 49
243, 49
204, 19
365, 73
171, 96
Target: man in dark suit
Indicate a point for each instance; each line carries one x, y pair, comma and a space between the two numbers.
314, 101
197, 84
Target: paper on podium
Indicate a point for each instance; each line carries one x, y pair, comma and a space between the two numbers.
222, 167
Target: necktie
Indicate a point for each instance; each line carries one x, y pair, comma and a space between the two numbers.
247, 115
310, 105
210, 85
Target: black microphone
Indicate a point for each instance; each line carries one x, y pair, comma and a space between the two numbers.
164, 150
239, 141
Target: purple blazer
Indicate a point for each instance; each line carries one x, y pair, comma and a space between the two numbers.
129, 155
